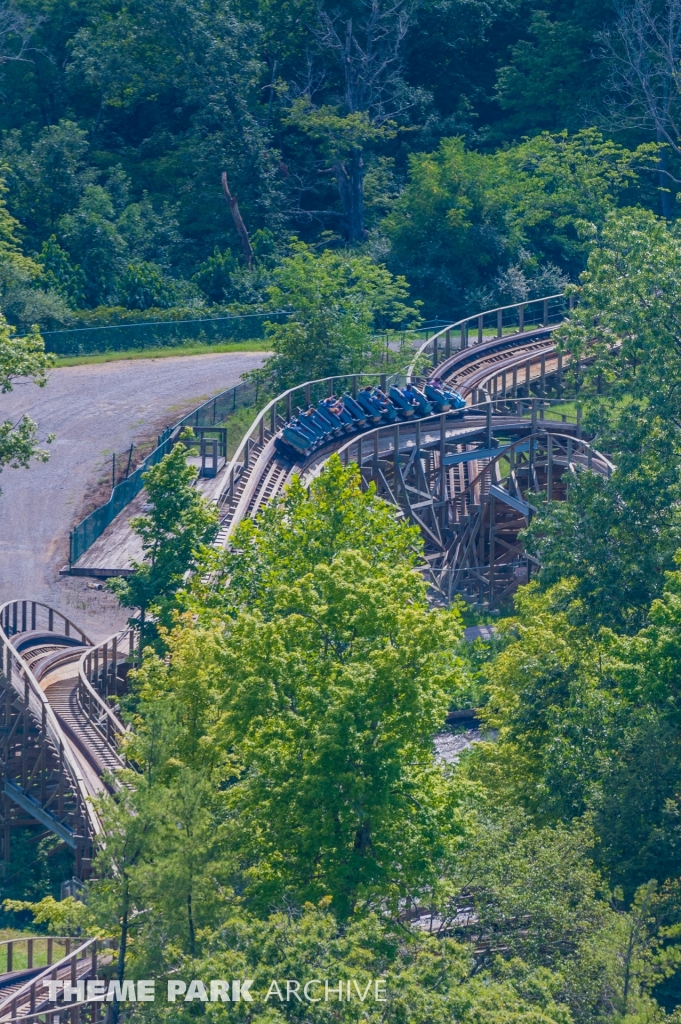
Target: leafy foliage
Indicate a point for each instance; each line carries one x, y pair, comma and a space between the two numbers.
465, 217
623, 342
337, 300
21, 358
179, 523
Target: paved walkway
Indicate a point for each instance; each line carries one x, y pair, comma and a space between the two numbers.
94, 410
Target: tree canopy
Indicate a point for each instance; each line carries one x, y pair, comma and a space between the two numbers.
457, 146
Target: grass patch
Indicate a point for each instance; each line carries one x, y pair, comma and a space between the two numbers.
164, 353
237, 424
20, 951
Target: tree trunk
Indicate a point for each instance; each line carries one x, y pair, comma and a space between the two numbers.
122, 949
190, 920
666, 198
246, 246
350, 178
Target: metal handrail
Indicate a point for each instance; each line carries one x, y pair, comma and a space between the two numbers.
478, 319
19, 675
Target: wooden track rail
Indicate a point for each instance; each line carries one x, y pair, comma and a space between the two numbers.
469, 482
25, 995
58, 749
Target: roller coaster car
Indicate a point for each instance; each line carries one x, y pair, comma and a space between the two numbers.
320, 424
333, 411
444, 399
370, 406
421, 404
406, 407
355, 410
292, 440
377, 405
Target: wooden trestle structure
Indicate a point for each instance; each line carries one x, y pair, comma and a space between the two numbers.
472, 489
59, 735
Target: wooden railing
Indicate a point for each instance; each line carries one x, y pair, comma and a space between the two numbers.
34, 994
99, 680
392, 456
389, 437
514, 318
20, 616
24, 951
270, 420
547, 311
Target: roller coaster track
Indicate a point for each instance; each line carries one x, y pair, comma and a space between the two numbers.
470, 480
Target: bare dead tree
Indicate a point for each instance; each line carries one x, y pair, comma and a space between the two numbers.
15, 34
643, 51
368, 53
246, 246
356, 65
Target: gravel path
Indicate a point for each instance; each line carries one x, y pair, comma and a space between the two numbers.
94, 410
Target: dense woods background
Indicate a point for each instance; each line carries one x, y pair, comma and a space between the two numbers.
463, 143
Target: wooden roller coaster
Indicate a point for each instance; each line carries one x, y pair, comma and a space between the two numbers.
470, 479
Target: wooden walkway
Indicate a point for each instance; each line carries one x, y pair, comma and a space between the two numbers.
113, 553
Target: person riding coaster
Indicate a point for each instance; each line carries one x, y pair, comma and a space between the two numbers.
322, 424
333, 410
442, 397
390, 412
406, 406
355, 410
370, 406
416, 399
329, 417
380, 409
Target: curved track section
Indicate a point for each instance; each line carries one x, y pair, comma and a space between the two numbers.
468, 480
59, 736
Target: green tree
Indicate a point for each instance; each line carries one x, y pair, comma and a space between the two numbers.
178, 525
549, 696
589, 724
214, 276
551, 71
59, 273
25, 358
94, 242
311, 683
594, 538
143, 286
48, 178
625, 347
466, 217
336, 300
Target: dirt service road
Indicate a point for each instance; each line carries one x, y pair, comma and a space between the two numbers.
94, 410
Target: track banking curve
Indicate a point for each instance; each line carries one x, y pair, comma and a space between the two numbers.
469, 479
